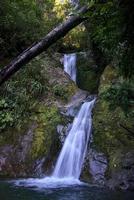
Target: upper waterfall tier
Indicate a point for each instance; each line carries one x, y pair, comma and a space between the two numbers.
70, 65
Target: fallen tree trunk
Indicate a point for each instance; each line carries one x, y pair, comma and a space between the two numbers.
38, 47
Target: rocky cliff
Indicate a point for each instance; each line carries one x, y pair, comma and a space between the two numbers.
111, 154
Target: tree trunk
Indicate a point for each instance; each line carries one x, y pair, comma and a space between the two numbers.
38, 47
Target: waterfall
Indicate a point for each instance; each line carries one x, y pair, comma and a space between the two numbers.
69, 163
70, 65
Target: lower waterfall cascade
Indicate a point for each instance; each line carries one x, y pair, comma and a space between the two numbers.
69, 163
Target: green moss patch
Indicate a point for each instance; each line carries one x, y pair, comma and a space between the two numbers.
87, 76
112, 129
45, 132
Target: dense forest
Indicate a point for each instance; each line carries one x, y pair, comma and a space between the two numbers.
31, 95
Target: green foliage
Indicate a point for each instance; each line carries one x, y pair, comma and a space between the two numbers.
19, 96
64, 92
6, 114
126, 62
21, 23
40, 81
105, 27
109, 136
77, 37
60, 91
112, 32
111, 127
120, 95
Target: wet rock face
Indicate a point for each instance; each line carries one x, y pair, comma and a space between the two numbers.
128, 161
70, 110
38, 167
16, 160
4, 159
63, 131
13, 159
122, 180
72, 107
123, 177
24, 145
97, 166
2, 162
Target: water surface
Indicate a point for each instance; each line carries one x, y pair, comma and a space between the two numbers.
8, 191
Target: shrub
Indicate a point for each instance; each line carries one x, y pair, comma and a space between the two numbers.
121, 94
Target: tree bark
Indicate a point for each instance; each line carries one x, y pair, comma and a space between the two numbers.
38, 47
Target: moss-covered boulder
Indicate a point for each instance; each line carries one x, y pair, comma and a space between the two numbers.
113, 135
87, 72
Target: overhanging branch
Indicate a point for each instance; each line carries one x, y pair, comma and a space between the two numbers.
38, 47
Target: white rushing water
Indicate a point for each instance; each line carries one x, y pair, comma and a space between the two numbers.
70, 65
70, 160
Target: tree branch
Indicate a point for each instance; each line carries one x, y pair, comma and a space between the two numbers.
38, 47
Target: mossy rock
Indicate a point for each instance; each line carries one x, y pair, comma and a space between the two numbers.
87, 81
87, 73
110, 135
108, 77
45, 131
64, 92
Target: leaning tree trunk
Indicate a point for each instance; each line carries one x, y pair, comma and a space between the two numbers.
42, 45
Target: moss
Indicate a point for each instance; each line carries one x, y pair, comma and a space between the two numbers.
108, 77
11, 135
44, 133
109, 135
23, 96
71, 89
107, 127
87, 76
87, 80
64, 92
